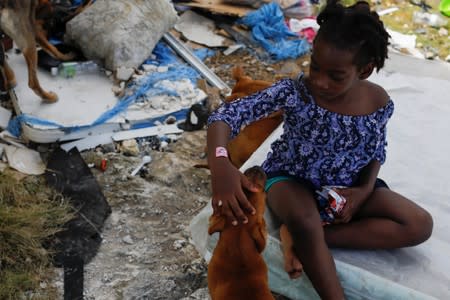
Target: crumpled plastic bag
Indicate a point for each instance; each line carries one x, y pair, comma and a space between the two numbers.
270, 30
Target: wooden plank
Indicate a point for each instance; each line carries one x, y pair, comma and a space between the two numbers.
218, 7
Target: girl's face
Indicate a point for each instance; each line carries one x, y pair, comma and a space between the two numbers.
332, 72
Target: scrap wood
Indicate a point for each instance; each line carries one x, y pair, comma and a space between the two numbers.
199, 29
219, 7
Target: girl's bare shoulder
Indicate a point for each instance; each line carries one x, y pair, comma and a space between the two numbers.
376, 94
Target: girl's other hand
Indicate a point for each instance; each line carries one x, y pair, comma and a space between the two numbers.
355, 197
228, 198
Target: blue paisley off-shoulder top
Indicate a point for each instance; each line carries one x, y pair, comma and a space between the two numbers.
318, 145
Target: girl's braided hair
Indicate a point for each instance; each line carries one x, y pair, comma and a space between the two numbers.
355, 28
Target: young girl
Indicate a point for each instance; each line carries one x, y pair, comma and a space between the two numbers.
334, 134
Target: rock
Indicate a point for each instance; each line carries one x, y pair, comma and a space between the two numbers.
123, 73
178, 244
120, 33
200, 294
442, 31
128, 240
129, 147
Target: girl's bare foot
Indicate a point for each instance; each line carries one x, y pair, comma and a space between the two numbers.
292, 264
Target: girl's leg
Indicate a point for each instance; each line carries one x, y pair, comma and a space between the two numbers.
295, 207
386, 220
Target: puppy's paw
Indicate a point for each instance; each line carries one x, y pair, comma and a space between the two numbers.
292, 265
68, 56
49, 97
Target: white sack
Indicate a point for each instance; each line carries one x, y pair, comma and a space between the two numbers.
120, 33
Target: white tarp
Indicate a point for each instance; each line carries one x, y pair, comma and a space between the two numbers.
417, 166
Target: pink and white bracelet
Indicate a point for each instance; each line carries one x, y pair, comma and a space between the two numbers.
221, 152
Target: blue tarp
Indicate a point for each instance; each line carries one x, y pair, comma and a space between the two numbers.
269, 29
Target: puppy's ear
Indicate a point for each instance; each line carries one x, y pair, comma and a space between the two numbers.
259, 235
216, 224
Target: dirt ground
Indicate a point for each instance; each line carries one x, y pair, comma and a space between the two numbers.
146, 251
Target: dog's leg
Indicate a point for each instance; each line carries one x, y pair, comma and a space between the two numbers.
30, 55
292, 264
3, 78
9, 80
10, 77
22, 31
50, 49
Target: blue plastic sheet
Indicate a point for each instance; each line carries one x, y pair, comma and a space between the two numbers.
269, 29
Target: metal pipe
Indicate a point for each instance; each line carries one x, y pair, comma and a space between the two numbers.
187, 55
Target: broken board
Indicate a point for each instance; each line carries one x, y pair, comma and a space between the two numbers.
219, 7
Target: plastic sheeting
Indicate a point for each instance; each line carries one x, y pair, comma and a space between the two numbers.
417, 166
269, 29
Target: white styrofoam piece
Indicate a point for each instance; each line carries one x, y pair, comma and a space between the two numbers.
89, 142
91, 131
5, 116
144, 132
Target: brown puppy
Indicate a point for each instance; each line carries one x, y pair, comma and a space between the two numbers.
237, 270
253, 135
17, 20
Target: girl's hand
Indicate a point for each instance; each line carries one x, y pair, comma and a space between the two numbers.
228, 195
355, 197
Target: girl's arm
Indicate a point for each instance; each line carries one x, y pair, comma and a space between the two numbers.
356, 195
283, 95
227, 181
369, 175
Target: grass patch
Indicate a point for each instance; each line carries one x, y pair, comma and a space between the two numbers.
30, 213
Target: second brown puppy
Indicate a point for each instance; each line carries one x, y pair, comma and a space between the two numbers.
253, 135
237, 269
